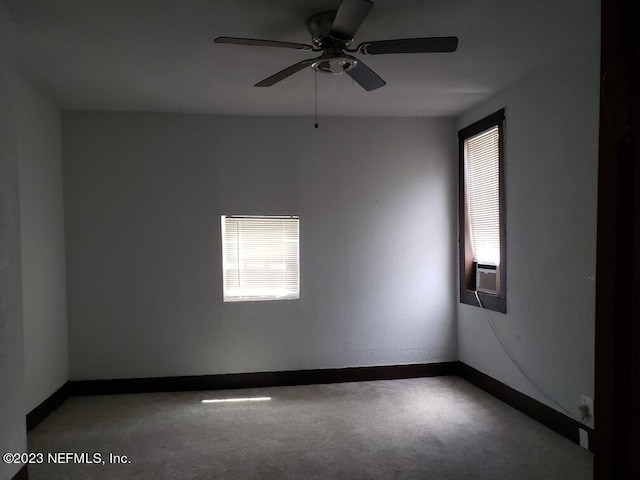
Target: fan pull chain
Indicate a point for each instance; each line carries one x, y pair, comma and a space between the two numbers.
315, 81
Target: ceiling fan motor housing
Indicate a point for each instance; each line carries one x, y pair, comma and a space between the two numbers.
319, 26
334, 59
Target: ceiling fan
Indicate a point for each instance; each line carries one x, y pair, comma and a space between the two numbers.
332, 33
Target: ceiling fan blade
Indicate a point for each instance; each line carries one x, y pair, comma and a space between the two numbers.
349, 17
410, 45
262, 43
287, 72
366, 78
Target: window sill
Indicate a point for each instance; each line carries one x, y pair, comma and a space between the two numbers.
496, 303
257, 299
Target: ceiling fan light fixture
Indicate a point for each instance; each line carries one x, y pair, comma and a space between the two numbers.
334, 64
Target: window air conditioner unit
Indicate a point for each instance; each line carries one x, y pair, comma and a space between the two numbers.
487, 279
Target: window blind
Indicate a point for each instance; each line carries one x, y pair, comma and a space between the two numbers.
260, 258
483, 194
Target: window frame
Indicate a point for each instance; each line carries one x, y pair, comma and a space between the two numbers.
255, 298
489, 301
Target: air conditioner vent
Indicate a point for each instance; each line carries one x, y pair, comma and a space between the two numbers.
487, 279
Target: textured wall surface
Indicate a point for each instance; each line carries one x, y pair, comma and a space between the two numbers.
143, 199
42, 237
551, 163
12, 421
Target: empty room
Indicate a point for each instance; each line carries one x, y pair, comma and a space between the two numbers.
298, 239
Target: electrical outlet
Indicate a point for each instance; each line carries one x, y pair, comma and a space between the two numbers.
584, 438
586, 410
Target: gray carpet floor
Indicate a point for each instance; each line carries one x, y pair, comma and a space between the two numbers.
438, 428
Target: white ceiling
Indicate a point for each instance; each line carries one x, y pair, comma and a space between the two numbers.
159, 55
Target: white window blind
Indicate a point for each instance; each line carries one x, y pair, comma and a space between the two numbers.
260, 258
481, 154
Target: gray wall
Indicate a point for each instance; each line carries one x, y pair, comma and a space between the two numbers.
551, 169
143, 199
42, 235
12, 421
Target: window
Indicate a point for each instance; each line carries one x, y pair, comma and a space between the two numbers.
482, 214
260, 258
